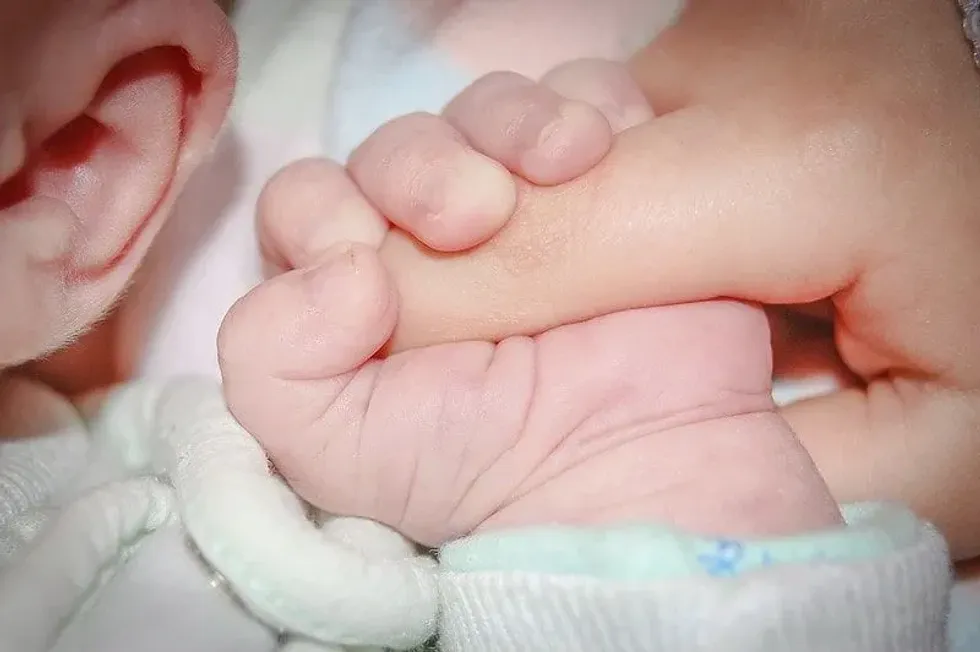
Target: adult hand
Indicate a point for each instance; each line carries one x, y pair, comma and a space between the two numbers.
807, 150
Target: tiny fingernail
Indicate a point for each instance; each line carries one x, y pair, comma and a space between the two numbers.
558, 136
333, 272
571, 116
353, 221
625, 117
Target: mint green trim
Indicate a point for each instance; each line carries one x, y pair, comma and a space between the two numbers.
650, 552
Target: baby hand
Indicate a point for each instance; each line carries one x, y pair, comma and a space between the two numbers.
656, 415
659, 415
450, 182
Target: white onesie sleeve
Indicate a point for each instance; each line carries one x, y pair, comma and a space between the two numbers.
891, 602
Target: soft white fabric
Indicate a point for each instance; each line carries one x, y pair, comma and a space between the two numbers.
184, 459
894, 604
50, 579
182, 456
45, 446
348, 582
163, 600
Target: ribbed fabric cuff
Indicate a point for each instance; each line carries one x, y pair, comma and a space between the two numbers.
896, 602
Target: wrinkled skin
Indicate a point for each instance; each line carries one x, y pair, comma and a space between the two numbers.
659, 415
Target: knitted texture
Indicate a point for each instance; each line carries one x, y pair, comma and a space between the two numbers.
897, 603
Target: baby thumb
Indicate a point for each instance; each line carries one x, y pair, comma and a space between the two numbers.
286, 348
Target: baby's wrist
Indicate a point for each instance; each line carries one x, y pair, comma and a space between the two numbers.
744, 476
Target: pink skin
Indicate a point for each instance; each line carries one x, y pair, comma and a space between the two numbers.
409, 172
659, 415
655, 415
108, 107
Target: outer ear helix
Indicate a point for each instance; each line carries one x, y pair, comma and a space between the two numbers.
113, 164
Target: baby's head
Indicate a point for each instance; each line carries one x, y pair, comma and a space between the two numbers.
105, 107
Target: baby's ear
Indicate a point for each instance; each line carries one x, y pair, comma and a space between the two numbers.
114, 163
113, 111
